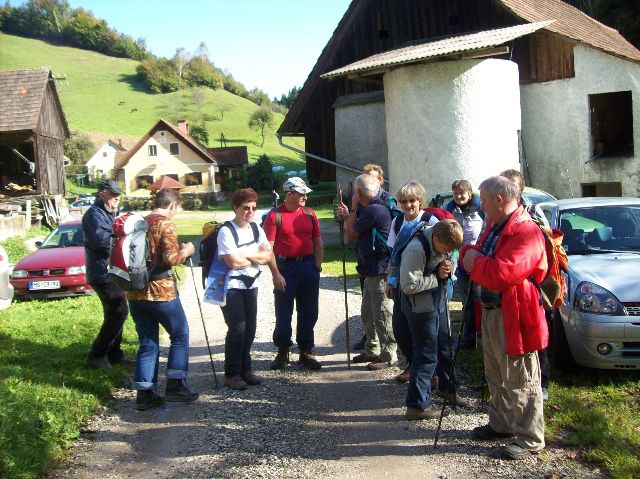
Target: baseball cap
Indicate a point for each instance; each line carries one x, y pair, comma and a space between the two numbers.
110, 185
297, 184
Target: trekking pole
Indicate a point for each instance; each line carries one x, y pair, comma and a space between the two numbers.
206, 336
344, 277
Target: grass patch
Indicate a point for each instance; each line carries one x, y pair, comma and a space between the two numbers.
15, 246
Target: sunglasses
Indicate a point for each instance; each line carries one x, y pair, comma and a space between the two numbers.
250, 208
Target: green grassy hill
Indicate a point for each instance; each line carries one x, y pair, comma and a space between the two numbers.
96, 85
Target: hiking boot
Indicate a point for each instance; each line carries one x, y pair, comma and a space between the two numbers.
378, 364
364, 358
235, 382
251, 379
147, 398
513, 451
415, 414
123, 361
177, 391
405, 375
281, 360
360, 344
486, 433
98, 362
309, 361
453, 399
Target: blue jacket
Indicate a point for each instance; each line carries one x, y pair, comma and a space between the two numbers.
97, 226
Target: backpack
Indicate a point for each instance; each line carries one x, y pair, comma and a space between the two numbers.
129, 259
396, 255
552, 288
397, 226
209, 244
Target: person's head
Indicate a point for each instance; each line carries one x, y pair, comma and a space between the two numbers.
516, 177
109, 192
244, 203
411, 197
462, 192
366, 188
375, 171
168, 200
499, 196
446, 236
296, 191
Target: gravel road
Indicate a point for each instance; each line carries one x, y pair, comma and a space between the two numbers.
335, 423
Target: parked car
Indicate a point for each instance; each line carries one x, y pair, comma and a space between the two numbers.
598, 325
83, 203
56, 268
532, 195
6, 288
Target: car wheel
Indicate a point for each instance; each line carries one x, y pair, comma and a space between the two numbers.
561, 357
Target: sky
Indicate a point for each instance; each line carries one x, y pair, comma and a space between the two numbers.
269, 44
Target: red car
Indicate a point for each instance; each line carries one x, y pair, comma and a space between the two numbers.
56, 269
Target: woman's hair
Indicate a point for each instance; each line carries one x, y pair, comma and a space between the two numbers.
449, 232
464, 185
165, 197
242, 196
413, 189
373, 167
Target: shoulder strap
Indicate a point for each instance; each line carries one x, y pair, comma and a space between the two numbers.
397, 225
256, 233
152, 218
234, 233
426, 247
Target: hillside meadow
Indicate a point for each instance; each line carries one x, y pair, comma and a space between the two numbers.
101, 96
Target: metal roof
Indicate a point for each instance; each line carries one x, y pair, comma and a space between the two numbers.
438, 48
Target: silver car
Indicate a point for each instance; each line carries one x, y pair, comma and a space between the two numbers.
598, 325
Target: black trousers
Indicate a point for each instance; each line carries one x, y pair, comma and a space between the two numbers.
115, 309
240, 314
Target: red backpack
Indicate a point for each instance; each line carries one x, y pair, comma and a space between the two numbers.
553, 288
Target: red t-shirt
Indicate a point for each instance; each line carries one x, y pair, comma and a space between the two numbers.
296, 233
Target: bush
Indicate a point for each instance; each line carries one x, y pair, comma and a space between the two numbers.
160, 76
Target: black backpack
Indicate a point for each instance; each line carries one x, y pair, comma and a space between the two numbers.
209, 244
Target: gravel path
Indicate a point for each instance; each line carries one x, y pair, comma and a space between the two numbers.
337, 423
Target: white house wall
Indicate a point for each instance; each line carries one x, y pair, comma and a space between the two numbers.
450, 120
101, 162
556, 126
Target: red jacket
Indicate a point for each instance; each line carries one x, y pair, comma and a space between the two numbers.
519, 254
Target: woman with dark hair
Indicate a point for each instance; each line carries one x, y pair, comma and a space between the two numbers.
243, 246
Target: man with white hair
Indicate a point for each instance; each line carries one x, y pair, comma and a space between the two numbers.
370, 230
504, 266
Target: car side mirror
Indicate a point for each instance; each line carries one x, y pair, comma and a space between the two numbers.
38, 244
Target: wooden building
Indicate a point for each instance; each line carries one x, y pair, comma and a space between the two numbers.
232, 161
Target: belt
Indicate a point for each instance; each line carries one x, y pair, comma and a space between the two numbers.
489, 308
292, 258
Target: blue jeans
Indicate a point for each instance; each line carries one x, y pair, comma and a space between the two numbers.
240, 314
401, 330
430, 333
148, 316
303, 285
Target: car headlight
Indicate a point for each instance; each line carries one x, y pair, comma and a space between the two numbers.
19, 273
594, 299
76, 270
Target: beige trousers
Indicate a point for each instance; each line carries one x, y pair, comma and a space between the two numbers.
376, 312
515, 403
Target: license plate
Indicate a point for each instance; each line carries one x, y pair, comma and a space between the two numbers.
35, 285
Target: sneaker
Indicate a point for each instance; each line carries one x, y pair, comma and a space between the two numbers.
415, 414
513, 451
281, 359
486, 433
453, 399
360, 344
309, 361
364, 358
235, 382
545, 394
378, 364
404, 376
251, 379
147, 398
177, 391
98, 362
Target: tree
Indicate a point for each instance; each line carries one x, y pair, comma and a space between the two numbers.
78, 149
200, 72
223, 108
160, 76
199, 132
202, 52
261, 119
260, 175
180, 59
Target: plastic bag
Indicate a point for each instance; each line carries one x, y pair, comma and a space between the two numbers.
217, 283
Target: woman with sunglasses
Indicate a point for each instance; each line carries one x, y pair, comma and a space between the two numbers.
243, 246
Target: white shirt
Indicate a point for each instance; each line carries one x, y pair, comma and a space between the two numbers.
227, 245
391, 240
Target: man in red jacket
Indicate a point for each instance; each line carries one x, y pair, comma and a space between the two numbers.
508, 255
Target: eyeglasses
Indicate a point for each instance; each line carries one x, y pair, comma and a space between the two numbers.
250, 208
412, 200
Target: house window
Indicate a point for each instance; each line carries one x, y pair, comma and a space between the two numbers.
153, 150
611, 124
104, 154
173, 176
174, 148
602, 189
194, 178
143, 181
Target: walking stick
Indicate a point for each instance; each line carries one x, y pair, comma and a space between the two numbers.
206, 336
344, 277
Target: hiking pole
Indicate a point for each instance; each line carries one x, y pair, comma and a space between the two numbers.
344, 277
206, 336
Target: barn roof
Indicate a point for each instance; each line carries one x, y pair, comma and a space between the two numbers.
21, 98
230, 155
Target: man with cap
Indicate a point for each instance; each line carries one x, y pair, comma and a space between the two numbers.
97, 225
294, 233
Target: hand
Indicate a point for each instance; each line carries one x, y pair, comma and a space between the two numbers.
264, 247
188, 248
279, 282
342, 210
444, 269
388, 291
469, 259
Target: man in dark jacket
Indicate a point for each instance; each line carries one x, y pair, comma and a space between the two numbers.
97, 225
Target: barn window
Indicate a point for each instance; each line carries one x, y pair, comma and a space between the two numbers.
611, 124
153, 150
194, 178
143, 181
174, 148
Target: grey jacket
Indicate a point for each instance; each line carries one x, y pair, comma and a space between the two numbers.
414, 283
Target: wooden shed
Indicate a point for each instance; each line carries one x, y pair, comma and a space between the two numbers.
32, 133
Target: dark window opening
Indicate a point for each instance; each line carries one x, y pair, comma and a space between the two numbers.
143, 181
194, 178
602, 189
611, 124
174, 148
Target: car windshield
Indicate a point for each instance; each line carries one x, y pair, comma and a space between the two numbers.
64, 235
535, 197
601, 229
